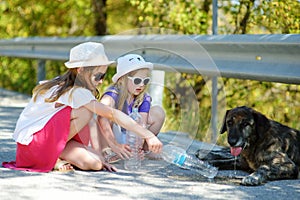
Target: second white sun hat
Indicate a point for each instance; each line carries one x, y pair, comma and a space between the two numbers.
129, 63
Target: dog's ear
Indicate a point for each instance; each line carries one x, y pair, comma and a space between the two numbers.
224, 127
262, 123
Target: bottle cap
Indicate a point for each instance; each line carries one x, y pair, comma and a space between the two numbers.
135, 109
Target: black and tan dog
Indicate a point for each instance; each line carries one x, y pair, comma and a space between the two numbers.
270, 150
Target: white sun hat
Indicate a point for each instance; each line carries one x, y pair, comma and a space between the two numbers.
87, 54
129, 63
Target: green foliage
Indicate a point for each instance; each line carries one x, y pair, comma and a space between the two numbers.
15, 77
281, 16
39, 18
187, 17
45, 18
254, 16
121, 16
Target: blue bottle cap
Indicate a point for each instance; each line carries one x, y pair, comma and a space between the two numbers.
179, 159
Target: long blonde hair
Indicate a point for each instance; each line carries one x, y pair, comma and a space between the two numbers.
123, 93
66, 82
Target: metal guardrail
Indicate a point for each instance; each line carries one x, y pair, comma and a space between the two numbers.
273, 58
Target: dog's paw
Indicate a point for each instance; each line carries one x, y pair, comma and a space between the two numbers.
252, 180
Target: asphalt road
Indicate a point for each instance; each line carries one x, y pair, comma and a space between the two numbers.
155, 180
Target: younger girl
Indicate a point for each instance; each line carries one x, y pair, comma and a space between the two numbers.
128, 91
53, 128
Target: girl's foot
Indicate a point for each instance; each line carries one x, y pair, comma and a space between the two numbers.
63, 166
110, 156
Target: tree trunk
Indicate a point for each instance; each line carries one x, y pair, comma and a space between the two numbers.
241, 27
100, 14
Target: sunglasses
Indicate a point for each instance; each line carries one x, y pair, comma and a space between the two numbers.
138, 80
98, 77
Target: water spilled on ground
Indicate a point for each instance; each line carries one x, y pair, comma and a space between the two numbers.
227, 177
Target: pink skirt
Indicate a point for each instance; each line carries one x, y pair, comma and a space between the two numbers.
47, 144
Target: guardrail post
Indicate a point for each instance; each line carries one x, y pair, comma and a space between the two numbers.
214, 106
214, 109
41, 70
156, 89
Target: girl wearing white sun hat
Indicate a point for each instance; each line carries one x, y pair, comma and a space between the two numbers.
53, 131
128, 91
129, 63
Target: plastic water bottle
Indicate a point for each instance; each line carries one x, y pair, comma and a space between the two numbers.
179, 157
135, 142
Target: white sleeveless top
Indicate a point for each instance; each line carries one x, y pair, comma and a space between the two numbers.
36, 114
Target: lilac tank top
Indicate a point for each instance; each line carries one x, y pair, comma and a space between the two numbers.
144, 107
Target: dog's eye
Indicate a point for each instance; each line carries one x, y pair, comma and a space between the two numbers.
229, 123
245, 124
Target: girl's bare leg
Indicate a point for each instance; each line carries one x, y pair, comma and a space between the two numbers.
78, 154
156, 120
79, 118
99, 139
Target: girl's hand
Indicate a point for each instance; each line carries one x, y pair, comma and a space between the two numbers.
154, 144
109, 167
122, 150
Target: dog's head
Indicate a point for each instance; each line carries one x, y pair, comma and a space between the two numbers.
243, 125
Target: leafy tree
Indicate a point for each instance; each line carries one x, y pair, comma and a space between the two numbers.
255, 16
281, 16
188, 17
45, 18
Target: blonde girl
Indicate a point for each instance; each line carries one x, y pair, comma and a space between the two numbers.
128, 91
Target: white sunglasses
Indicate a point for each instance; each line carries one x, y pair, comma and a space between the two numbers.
138, 80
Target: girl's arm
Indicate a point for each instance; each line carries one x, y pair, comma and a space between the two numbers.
144, 116
125, 121
105, 127
105, 124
